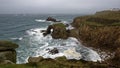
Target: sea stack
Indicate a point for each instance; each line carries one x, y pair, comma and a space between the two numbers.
52, 19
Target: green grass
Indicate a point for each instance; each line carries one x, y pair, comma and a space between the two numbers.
16, 66
8, 44
60, 62
59, 24
106, 18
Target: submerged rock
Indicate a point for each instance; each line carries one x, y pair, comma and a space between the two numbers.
53, 51
7, 52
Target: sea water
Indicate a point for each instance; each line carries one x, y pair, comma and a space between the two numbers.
25, 30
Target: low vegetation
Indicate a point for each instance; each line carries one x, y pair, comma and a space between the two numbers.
60, 62
101, 31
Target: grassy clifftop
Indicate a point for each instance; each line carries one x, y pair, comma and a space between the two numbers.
101, 31
106, 18
60, 62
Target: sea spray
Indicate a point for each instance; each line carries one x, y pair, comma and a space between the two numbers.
38, 45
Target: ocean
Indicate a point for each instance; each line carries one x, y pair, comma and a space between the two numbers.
25, 30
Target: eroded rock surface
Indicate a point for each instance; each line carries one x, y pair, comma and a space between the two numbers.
7, 52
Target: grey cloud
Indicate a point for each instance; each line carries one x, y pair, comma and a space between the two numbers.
56, 6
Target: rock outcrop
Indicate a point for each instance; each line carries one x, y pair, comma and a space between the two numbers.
59, 31
52, 19
7, 52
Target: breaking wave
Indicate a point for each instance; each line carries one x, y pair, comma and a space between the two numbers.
40, 20
38, 45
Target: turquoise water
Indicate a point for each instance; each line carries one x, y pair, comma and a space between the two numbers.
25, 31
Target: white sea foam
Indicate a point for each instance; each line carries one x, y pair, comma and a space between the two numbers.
65, 22
36, 31
17, 38
69, 27
40, 20
71, 47
72, 54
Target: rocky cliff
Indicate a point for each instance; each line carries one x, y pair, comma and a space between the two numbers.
7, 52
100, 31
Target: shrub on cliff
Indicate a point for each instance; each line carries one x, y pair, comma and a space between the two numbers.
101, 31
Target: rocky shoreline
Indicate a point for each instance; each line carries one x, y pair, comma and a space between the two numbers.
99, 31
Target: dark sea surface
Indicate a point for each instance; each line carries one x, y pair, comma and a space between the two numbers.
13, 25
24, 29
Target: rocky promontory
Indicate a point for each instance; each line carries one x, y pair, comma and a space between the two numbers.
100, 31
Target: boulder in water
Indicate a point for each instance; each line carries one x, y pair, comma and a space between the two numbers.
52, 19
53, 51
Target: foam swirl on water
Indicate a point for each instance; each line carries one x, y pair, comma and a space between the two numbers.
38, 45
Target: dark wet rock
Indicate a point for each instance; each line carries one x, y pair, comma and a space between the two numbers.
35, 59
44, 34
43, 31
67, 25
52, 19
48, 31
53, 51
7, 51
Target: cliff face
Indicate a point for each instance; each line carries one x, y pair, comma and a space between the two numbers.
7, 52
101, 31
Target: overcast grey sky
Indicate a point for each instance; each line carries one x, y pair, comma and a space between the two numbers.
56, 6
